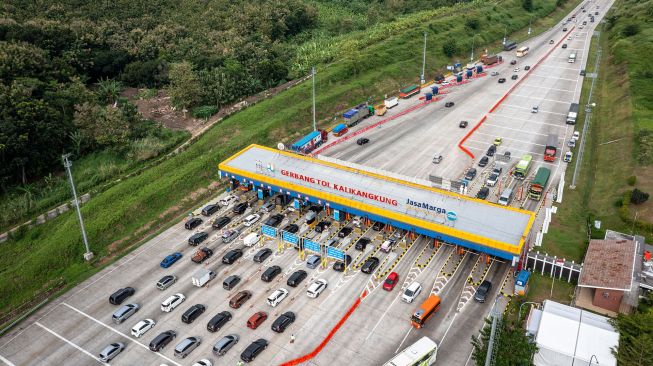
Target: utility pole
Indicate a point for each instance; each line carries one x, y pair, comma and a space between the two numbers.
471, 57
490, 344
505, 33
529, 25
67, 164
314, 120
421, 78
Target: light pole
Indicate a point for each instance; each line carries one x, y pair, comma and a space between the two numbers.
67, 164
471, 57
520, 306
421, 78
529, 25
314, 121
505, 32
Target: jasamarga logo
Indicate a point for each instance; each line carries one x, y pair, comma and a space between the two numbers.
426, 206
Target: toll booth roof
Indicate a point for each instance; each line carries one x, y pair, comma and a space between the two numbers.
417, 205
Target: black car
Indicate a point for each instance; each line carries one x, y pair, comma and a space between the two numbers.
471, 174
193, 223
218, 321
514, 77
483, 162
162, 340
274, 220
502, 80
527, 67
339, 266
296, 278
362, 243
491, 150
344, 232
483, 193
582, 72
119, 296
292, 228
513, 62
262, 255
240, 208
463, 124
221, 222
321, 226
270, 273
250, 353
564, 29
564, 45
232, 256
448, 104
192, 313
210, 210
316, 208
370, 265
378, 226
482, 291
362, 141
197, 238
283, 321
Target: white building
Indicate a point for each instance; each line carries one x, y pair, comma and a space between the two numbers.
569, 336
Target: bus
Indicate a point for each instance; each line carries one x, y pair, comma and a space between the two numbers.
425, 311
522, 51
421, 353
522, 168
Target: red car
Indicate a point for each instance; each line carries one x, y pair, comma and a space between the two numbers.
391, 281
256, 319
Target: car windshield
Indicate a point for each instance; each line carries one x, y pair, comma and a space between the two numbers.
409, 293
389, 281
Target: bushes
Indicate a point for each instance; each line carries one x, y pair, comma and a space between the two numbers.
631, 180
630, 30
638, 197
205, 111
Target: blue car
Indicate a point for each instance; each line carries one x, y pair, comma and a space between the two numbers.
170, 260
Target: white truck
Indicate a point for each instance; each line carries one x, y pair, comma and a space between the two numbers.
391, 102
202, 276
573, 114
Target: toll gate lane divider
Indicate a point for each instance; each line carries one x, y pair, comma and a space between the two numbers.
326, 340
512, 88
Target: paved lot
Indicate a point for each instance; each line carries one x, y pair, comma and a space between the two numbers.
73, 329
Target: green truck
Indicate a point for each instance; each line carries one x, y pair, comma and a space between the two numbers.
409, 91
538, 185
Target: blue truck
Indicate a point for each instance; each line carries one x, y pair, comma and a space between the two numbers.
309, 142
353, 116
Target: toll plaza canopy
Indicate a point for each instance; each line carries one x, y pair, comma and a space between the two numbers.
437, 213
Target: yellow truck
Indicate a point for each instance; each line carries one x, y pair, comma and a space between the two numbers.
380, 109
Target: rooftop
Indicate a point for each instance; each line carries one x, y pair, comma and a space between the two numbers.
450, 213
609, 265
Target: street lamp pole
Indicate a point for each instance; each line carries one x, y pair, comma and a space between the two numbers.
530, 22
505, 32
422, 79
471, 58
314, 120
67, 164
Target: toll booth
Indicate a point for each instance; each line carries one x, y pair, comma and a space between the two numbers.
521, 282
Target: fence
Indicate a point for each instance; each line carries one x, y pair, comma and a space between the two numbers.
553, 266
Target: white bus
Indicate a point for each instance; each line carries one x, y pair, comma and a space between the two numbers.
572, 58
421, 353
522, 51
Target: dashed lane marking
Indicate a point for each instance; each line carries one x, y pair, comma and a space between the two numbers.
70, 343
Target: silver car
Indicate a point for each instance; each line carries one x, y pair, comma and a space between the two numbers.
229, 235
124, 313
111, 351
313, 261
185, 347
221, 347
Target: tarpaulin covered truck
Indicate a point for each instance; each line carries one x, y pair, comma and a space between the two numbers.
357, 114
340, 130
490, 59
538, 184
409, 91
309, 142
551, 147
573, 113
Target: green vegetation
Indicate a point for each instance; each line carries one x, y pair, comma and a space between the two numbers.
619, 147
514, 346
117, 217
635, 338
544, 287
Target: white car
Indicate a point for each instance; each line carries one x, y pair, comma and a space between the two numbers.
251, 239
569, 38
142, 327
571, 143
228, 200
316, 288
251, 219
444, 83
576, 135
494, 73
516, 69
535, 109
203, 362
357, 221
277, 296
172, 302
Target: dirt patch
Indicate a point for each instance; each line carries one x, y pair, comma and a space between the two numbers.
644, 183
158, 109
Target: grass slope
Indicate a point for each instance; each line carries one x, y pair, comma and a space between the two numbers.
125, 212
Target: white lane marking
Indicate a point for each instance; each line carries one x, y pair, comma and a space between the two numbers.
535, 96
526, 120
70, 343
382, 316
510, 148
511, 129
529, 108
120, 333
453, 320
554, 78
560, 68
547, 88
404, 340
6, 361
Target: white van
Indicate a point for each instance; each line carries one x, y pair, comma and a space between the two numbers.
251, 219
506, 197
411, 292
251, 239
391, 102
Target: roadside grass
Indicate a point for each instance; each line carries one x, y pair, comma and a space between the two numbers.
545, 287
135, 207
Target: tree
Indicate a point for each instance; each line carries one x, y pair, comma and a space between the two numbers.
635, 339
513, 347
637, 196
630, 30
108, 91
472, 23
450, 47
527, 5
185, 89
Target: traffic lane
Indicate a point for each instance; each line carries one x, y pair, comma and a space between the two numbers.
470, 321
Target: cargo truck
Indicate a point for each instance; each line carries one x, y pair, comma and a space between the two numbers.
490, 59
409, 91
202, 276
573, 113
309, 142
380, 109
391, 102
522, 168
538, 184
509, 45
551, 148
353, 116
340, 130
